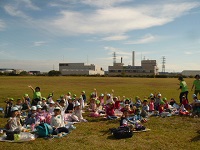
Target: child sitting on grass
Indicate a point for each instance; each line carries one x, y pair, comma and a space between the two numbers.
77, 114
14, 121
57, 122
110, 111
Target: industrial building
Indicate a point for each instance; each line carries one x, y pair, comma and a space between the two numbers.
190, 72
148, 67
80, 69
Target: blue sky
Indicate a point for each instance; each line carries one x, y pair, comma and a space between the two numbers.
37, 35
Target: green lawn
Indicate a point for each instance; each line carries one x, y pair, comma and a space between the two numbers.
166, 133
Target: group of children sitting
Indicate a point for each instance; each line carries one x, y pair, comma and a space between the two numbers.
62, 113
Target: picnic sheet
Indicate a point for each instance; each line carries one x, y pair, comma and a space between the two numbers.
24, 137
142, 130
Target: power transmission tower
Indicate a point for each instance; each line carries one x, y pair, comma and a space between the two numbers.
163, 63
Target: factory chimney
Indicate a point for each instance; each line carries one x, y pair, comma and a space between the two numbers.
121, 59
133, 58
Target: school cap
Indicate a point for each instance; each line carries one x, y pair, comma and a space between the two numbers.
69, 93
164, 99
50, 94
137, 97
25, 95
33, 108
194, 95
77, 104
98, 101
74, 95
12, 99
51, 102
108, 95
44, 98
14, 109
151, 95
145, 100
39, 107
57, 108
83, 92
159, 94
102, 94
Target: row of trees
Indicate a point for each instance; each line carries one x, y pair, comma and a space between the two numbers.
25, 73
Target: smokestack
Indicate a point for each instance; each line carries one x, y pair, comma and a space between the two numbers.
121, 59
133, 58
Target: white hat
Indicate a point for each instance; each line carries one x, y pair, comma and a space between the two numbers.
151, 95
39, 107
51, 102
57, 108
77, 104
108, 95
194, 95
102, 94
33, 108
159, 94
14, 109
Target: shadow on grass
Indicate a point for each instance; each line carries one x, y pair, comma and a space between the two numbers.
196, 138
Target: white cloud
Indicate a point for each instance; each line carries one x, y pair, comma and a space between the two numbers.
119, 53
39, 43
115, 38
145, 39
191, 52
13, 11
30, 5
103, 3
2, 25
119, 20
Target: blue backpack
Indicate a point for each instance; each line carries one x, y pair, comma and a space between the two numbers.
44, 130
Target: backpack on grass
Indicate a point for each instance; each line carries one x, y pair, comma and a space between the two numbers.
44, 130
122, 132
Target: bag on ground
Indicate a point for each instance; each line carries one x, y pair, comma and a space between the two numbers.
122, 132
44, 130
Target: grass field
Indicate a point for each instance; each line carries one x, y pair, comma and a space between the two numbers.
166, 133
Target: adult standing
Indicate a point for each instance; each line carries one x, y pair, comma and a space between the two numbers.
183, 87
196, 85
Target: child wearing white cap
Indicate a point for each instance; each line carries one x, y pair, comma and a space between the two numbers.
14, 121
77, 114
57, 122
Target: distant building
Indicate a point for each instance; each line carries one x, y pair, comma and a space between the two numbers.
17, 71
80, 69
6, 70
190, 72
34, 72
148, 67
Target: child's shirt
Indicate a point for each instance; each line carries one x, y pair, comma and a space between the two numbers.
14, 123
145, 108
151, 106
57, 121
117, 104
123, 121
110, 111
161, 109
78, 113
36, 95
185, 102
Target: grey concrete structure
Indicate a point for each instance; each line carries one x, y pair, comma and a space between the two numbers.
80, 69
